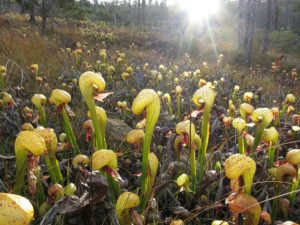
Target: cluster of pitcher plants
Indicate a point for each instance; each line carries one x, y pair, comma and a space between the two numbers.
257, 135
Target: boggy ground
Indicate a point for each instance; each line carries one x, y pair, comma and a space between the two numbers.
128, 68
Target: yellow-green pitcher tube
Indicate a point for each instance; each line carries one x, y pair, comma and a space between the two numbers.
88, 83
149, 100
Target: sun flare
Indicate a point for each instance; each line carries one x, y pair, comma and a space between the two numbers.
200, 9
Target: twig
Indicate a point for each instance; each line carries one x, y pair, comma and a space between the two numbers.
7, 157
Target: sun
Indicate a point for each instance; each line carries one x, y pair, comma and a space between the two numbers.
199, 9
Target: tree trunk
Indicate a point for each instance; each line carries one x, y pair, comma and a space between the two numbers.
276, 15
293, 21
44, 24
143, 11
139, 17
139, 10
1, 7
23, 10
44, 16
32, 14
8, 4
267, 26
286, 16
5, 5
297, 24
249, 32
241, 24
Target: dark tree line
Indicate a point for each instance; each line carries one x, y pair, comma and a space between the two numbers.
268, 16
44, 8
125, 10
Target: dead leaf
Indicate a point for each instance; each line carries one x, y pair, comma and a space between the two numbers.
100, 97
195, 113
136, 217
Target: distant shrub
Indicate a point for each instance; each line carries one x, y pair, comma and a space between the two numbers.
284, 36
106, 37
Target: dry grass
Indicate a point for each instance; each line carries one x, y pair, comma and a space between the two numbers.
274, 86
21, 45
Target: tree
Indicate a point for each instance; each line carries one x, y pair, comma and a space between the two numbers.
44, 10
28, 6
31, 6
286, 15
139, 10
241, 23
276, 14
249, 31
143, 10
22, 5
267, 26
